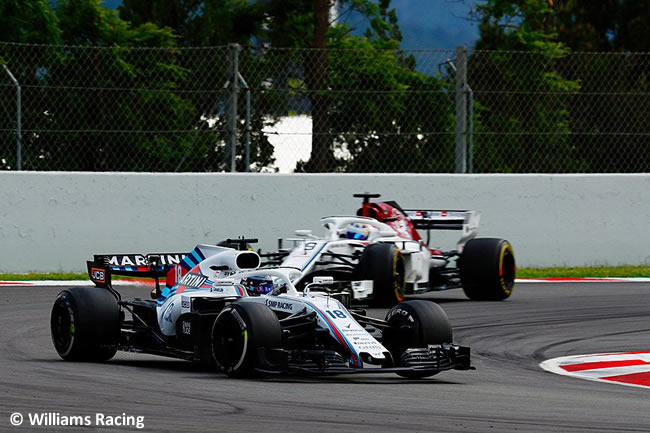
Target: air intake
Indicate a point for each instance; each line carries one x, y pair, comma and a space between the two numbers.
248, 260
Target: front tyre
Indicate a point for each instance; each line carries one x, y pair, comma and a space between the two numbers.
487, 269
241, 332
85, 324
415, 324
384, 265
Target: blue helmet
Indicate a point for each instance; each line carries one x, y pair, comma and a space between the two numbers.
258, 285
358, 231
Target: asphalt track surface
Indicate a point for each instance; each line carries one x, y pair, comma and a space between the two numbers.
507, 391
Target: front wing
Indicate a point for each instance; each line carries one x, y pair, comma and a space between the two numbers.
433, 359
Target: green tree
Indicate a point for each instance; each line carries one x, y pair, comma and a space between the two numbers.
214, 24
95, 106
384, 115
199, 22
163, 106
523, 118
608, 117
22, 22
621, 25
28, 21
370, 110
391, 117
117, 98
309, 79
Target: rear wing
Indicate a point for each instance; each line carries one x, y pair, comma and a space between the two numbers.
99, 274
139, 265
103, 266
442, 219
465, 220
153, 266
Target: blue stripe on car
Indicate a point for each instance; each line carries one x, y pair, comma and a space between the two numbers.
196, 256
314, 256
337, 331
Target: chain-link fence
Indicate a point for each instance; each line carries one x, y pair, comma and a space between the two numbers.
582, 112
186, 109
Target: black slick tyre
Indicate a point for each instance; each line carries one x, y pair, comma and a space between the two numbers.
487, 269
415, 324
239, 333
85, 324
384, 265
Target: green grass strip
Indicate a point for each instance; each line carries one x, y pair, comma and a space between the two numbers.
591, 272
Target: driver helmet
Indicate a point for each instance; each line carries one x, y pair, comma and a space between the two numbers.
358, 231
258, 285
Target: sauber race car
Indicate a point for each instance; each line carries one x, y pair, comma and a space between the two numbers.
220, 309
384, 256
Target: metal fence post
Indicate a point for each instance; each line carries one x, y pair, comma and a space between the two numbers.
247, 125
231, 145
461, 110
470, 130
19, 121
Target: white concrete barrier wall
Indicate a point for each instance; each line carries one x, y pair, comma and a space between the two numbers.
55, 221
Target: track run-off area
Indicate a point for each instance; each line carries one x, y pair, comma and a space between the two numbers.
587, 330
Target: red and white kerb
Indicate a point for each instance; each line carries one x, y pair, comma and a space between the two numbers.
625, 368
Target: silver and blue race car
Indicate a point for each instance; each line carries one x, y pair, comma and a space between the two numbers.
219, 308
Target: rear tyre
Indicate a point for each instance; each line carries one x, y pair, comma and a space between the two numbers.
487, 269
241, 331
85, 324
415, 324
384, 265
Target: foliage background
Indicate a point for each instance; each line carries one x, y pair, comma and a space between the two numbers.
558, 86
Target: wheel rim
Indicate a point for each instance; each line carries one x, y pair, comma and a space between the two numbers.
62, 326
230, 341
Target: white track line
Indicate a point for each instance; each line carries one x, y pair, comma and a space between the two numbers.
73, 283
585, 280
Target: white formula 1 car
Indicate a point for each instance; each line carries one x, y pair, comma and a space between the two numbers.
381, 253
218, 308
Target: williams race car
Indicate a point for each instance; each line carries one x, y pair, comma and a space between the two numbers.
220, 309
382, 254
